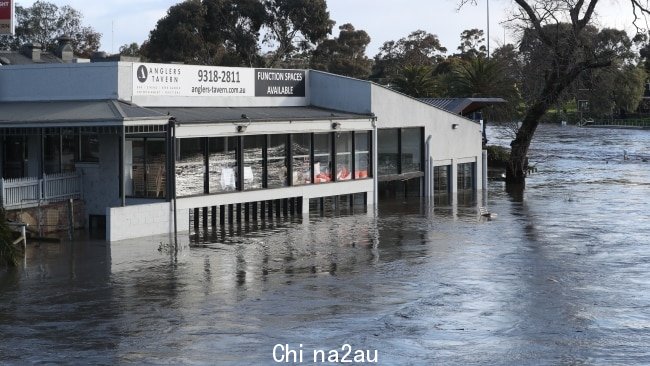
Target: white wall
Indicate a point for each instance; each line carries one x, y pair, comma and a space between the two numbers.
143, 220
48, 82
339, 92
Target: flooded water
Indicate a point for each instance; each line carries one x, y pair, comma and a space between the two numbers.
561, 276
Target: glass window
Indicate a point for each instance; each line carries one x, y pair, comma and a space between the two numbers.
465, 177
301, 163
155, 157
89, 148
441, 179
144, 167
277, 161
322, 157
52, 153
362, 155
69, 150
190, 167
343, 156
411, 149
387, 151
222, 163
253, 161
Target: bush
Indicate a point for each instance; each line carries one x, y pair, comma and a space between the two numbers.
8, 251
498, 156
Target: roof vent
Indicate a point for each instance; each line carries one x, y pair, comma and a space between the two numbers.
65, 51
4, 61
32, 51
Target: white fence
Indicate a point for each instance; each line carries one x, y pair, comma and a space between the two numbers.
29, 192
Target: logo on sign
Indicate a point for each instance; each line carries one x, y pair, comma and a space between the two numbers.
142, 74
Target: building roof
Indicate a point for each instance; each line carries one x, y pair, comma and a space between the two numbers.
18, 58
70, 113
463, 106
253, 114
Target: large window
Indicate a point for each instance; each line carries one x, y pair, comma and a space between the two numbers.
88, 148
301, 162
223, 168
388, 151
362, 155
253, 161
145, 169
190, 167
322, 157
343, 156
411, 150
277, 162
441, 179
52, 153
465, 177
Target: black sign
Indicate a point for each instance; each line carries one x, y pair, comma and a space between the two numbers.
279, 83
143, 74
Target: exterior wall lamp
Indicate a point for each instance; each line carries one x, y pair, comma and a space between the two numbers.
336, 125
241, 128
454, 126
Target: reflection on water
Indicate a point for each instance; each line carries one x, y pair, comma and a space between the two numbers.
560, 277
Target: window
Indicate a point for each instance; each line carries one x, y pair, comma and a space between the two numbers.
441, 179
301, 162
52, 153
145, 170
88, 148
465, 177
322, 157
362, 155
388, 151
343, 156
411, 150
222, 164
253, 161
276, 161
190, 167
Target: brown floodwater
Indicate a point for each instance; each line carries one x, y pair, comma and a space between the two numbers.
560, 276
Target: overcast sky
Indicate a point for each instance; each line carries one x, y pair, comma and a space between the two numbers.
125, 21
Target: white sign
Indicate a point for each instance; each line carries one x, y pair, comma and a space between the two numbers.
171, 80
192, 81
7, 17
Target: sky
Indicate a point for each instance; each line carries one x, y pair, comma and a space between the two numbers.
125, 21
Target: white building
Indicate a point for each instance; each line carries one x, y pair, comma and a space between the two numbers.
151, 140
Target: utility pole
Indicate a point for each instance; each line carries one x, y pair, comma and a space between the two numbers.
488, 28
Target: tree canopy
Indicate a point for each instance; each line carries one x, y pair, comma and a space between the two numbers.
344, 55
45, 22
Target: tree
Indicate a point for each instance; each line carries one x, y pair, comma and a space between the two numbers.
416, 81
294, 26
345, 55
45, 22
209, 32
8, 251
561, 30
132, 50
471, 44
418, 48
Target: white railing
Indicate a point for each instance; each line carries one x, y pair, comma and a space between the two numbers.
29, 192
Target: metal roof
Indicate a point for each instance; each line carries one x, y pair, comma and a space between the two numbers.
462, 106
98, 112
230, 114
17, 58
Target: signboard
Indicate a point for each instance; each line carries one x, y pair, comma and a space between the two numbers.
169, 80
7, 17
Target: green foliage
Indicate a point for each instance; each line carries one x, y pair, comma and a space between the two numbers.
345, 55
416, 81
132, 50
417, 49
471, 44
498, 156
44, 22
294, 26
8, 252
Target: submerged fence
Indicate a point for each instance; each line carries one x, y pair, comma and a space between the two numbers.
30, 192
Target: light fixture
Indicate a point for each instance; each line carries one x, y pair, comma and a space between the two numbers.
454, 126
241, 128
336, 125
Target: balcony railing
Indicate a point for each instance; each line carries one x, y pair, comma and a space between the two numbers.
30, 192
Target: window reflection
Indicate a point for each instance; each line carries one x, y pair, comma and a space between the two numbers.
253, 161
362, 155
465, 177
300, 150
144, 168
277, 161
322, 157
343, 156
223, 164
411, 149
388, 151
190, 167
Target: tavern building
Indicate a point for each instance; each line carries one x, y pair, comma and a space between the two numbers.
144, 146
